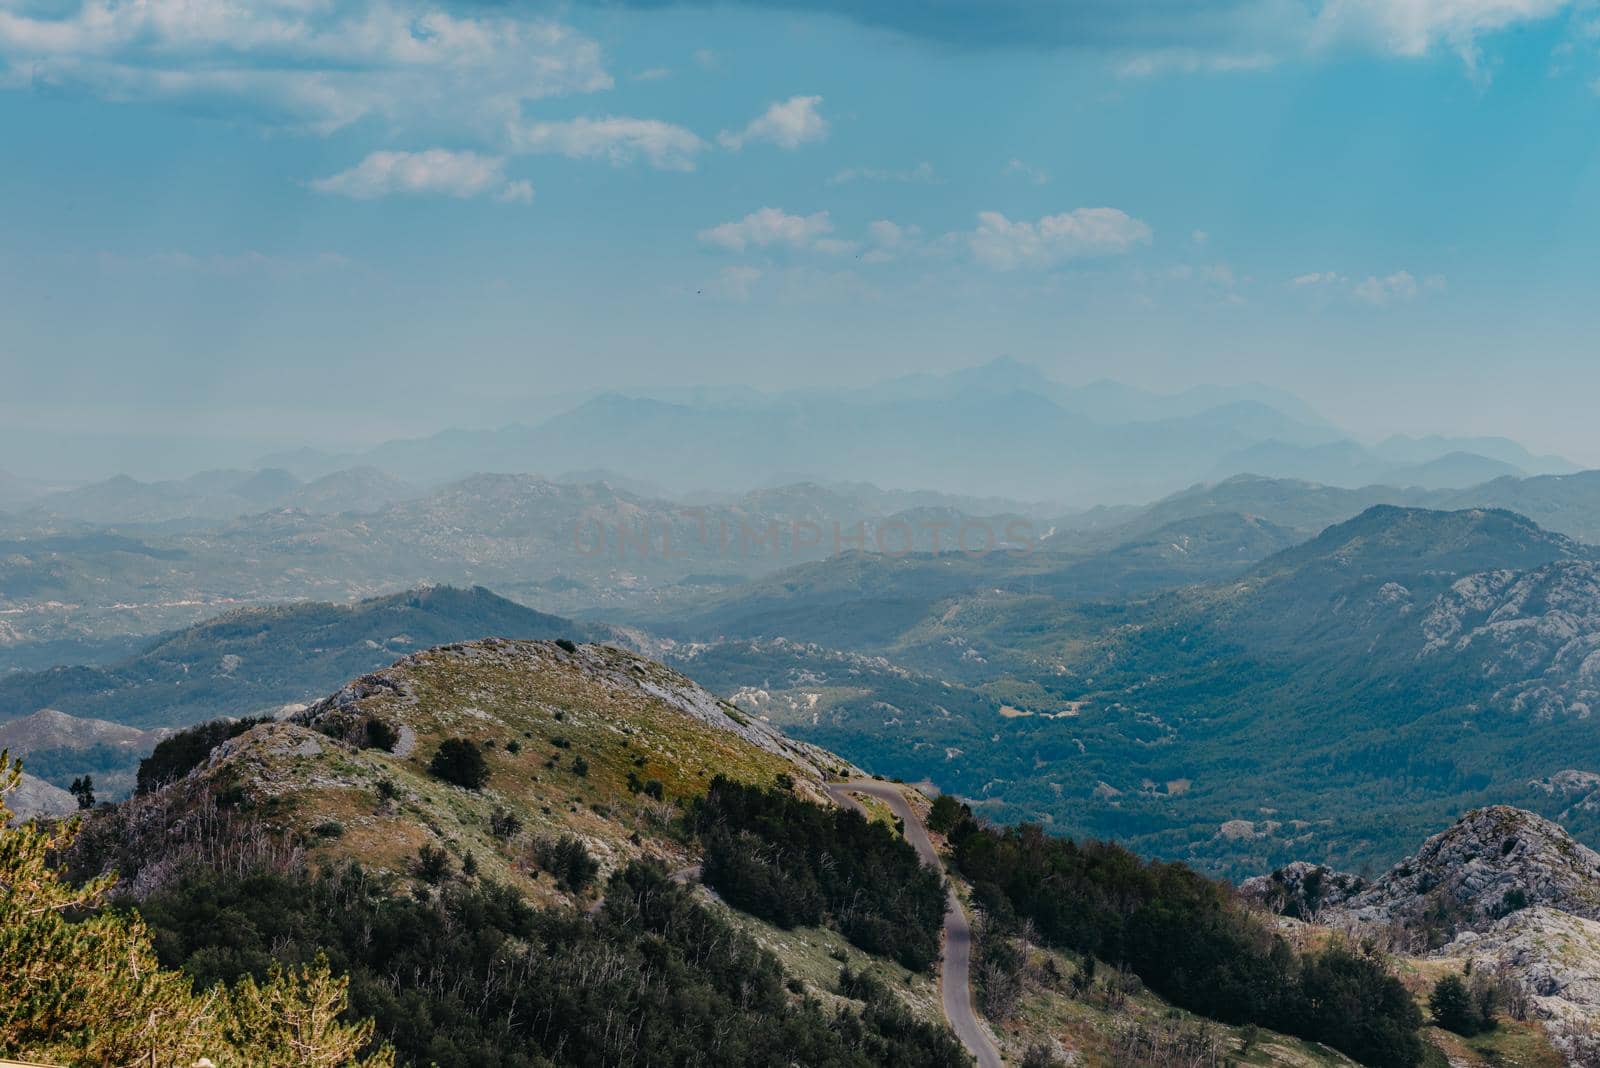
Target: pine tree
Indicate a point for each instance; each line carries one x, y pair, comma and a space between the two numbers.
1453, 1008
293, 1021
91, 991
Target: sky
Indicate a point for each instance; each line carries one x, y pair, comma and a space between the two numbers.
234, 227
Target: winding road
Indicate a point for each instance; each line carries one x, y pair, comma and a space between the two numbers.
955, 977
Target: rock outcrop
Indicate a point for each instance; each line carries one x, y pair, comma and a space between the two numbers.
1506, 891
1553, 958
1303, 891
1492, 862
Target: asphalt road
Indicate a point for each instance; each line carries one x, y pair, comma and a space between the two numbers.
955, 977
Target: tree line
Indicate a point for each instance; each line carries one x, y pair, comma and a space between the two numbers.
796, 863
472, 975
1188, 938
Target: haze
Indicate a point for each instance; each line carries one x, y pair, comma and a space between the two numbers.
332, 225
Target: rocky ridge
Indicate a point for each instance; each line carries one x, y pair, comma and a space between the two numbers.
1502, 890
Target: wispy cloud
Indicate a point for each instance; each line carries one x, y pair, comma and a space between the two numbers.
735, 283
312, 64
1379, 291
620, 140
1005, 245
1401, 287
1149, 37
1416, 27
769, 226
434, 172
787, 124
922, 174
1016, 168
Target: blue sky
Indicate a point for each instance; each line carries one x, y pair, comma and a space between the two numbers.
251, 225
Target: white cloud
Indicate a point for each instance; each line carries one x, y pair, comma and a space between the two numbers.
787, 124
1261, 34
888, 240
434, 172
835, 246
1415, 27
311, 64
886, 233
769, 226
620, 140
921, 174
1005, 245
1027, 172
1400, 287
652, 74
518, 192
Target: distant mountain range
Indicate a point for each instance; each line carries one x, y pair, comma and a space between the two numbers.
76, 591
213, 495
71, 590
1004, 428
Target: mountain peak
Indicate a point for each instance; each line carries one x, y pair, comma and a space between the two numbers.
571, 737
1489, 863
1397, 540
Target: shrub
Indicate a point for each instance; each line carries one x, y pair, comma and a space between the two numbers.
432, 865
946, 813
1513, 900
461, 763
503, 823
381, 735
1463, 1009
568, 860
567, 645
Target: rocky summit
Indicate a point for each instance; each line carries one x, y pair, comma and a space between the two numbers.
1502, 892
1492, 862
